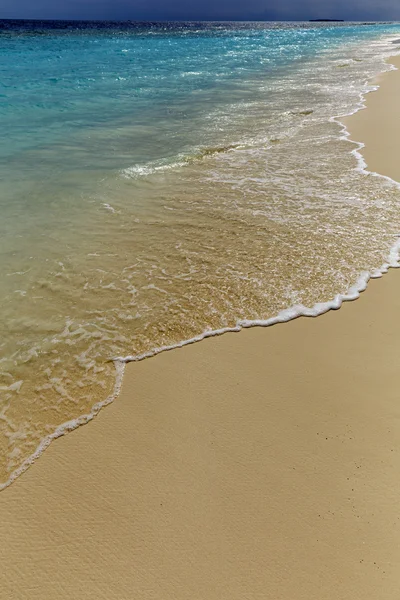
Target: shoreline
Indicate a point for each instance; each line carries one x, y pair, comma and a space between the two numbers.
286, 315
156, 443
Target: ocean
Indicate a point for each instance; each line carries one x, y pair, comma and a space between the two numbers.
163, 182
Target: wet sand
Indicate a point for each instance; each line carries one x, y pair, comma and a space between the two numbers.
264, 464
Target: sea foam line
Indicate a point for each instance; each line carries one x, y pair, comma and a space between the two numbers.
299, 310
68, 426
283, 316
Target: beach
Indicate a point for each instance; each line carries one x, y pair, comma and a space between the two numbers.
205, 194
260, 464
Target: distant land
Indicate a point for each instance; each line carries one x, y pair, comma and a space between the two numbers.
326, 20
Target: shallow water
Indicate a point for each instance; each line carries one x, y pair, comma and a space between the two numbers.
158, 182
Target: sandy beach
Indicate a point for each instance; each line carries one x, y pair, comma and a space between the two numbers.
258, 465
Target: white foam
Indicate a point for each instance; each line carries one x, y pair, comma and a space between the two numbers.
288, 314
109, 207
293, 312
154, 167
67, 427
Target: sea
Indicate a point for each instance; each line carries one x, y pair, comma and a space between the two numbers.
164, 182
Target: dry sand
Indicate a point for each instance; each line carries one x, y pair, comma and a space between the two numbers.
260, 465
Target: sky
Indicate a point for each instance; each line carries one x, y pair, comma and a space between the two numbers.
154, 10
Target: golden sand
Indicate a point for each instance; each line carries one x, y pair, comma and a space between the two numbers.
260, 465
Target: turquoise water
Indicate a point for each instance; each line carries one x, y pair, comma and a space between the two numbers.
161, 181
80, 86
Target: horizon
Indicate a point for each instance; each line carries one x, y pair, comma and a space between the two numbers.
94, 20
204, 11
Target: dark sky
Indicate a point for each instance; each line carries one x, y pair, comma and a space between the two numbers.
201, 9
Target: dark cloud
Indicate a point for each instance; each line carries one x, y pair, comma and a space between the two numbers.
201, 9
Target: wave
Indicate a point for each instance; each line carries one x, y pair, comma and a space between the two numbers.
180, 160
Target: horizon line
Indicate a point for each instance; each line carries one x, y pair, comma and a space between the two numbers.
259, 20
